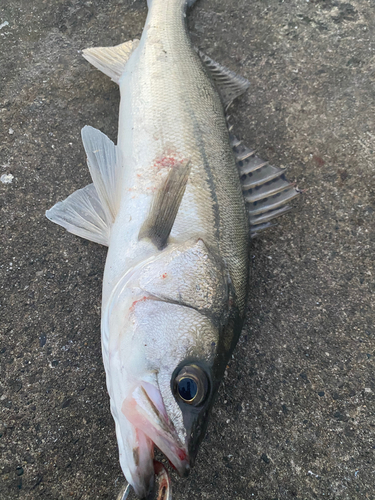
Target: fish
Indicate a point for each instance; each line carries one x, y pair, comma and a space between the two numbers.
177, 202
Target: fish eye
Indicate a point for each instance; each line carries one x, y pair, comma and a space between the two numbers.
191, 385
187, 389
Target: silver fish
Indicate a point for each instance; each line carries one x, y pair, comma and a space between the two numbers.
172, 203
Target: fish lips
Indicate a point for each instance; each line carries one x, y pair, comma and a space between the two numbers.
144, 408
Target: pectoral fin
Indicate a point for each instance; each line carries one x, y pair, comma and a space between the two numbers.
165, 206
111, 60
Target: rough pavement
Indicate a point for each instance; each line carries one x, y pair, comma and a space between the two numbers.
295, 418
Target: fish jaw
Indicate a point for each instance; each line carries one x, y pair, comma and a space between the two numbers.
144, 408
136, 453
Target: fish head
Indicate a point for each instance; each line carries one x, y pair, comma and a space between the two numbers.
163, 351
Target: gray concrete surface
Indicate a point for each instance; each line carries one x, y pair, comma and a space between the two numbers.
295, 418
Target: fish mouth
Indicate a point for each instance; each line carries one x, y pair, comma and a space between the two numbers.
144, 408
162, 487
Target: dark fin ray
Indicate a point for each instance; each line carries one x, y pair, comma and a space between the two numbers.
264, 175
165, 206
255, 230
229, 84
272, 202
268, 216
266, 190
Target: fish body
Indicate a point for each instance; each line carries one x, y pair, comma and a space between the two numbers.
171, 113
168, 202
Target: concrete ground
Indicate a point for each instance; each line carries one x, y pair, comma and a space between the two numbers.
295, 418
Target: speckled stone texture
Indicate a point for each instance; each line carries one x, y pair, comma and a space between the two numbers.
295, 417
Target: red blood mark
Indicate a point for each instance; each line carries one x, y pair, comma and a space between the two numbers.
181, 454
131, 309
164, 276
319, 161
166, 162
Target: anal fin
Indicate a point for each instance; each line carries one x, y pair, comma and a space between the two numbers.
111, 60
266, 190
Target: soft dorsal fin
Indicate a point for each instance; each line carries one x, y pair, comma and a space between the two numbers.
91, 211
111, 60
229, 84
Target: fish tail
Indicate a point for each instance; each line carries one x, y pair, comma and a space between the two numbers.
188, 3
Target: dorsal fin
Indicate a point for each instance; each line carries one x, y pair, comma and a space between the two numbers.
111, 60
266, 190
229, 84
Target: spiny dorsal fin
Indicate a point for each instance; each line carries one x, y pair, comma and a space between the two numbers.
165, 206
82, 214
111, 60
266, 190
229, 84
